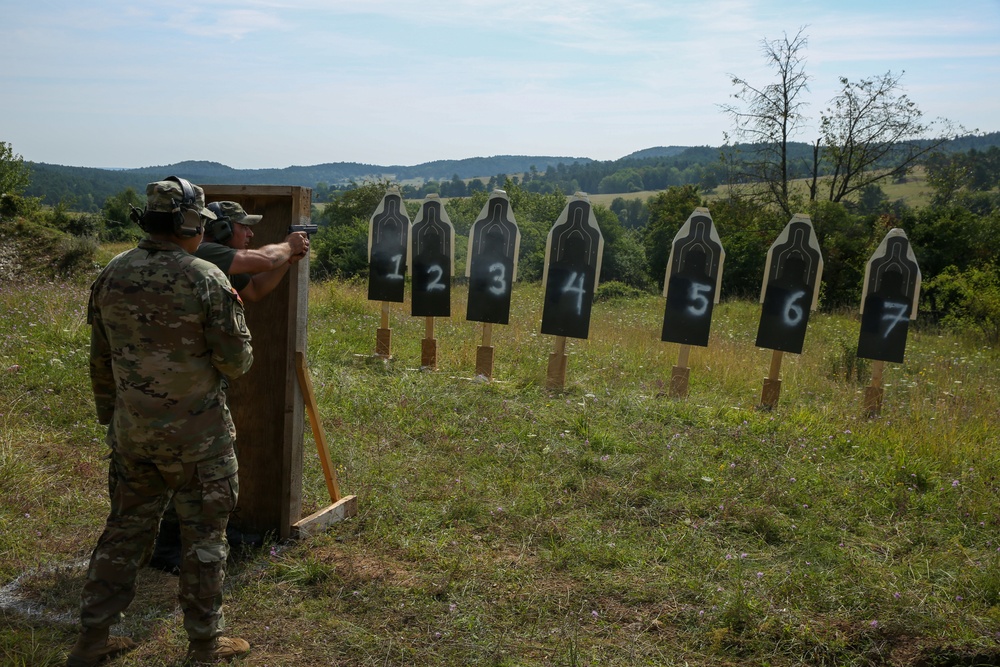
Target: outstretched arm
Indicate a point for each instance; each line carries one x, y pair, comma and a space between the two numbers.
272, 256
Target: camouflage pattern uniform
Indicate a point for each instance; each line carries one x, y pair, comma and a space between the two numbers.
168, 329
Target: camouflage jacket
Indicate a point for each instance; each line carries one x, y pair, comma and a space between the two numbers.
167, 330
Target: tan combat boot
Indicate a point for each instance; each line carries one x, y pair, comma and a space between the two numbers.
208, 651
94, 646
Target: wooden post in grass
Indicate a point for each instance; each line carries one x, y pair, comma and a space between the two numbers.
388, 258
772, 384
888, 302
573, 252
432, 249
484, 353
792, 276
555, 378
874, 392
494, 243
383, 335
428, 346
680, 373
691, 287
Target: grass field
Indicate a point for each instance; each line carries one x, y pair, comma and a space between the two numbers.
504, 524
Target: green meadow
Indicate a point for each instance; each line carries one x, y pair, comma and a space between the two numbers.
501, 523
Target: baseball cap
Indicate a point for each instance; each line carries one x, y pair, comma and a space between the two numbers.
164, 196
234, 212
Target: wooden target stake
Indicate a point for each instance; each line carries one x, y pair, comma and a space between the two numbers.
556, 377
428, 346
681, 373
484, 353
772, 384
875, 391
383, 337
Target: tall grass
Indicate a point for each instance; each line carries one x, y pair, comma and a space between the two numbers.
504, 524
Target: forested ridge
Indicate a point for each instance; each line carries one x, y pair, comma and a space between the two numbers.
86, 188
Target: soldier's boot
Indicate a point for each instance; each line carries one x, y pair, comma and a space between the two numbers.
167, 551
208, 651
94, 645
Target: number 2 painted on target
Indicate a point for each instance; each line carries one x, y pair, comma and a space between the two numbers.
435, 284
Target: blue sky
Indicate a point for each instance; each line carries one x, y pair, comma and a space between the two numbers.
274, 83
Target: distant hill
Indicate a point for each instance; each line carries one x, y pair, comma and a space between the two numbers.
657, 151
90, 186
647, 169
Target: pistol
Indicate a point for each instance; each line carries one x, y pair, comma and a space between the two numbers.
308, 229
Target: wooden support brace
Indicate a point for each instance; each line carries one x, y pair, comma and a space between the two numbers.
341, 508
556, 376
319, 521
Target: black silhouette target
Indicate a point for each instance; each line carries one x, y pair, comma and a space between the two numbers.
388, 233
692, 280
494, 241
889, 301
433, 254
794, 269
572, 270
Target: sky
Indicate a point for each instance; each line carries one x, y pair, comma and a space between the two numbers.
275, 83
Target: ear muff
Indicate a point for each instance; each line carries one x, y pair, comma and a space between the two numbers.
187, 219
220, 229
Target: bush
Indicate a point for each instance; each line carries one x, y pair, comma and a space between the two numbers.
968, 299
616, 290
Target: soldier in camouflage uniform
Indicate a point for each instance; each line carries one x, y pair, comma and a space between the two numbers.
167, 332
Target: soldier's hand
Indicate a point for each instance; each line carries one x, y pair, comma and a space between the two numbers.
299, 243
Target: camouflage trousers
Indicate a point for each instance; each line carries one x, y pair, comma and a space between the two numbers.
204, 493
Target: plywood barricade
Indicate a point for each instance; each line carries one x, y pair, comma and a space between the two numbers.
267, 403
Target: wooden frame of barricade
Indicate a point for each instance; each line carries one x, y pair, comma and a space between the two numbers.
267, 403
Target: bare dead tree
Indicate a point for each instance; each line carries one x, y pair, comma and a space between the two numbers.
766, 118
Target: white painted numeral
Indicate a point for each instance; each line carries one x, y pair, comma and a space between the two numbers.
793, 312
435, 285
896, 314
499, 278
699, 302
396, 275
575, 284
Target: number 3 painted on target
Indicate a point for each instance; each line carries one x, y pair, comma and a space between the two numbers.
499, 275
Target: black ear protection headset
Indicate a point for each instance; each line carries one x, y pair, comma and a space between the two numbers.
187, 218
220, 229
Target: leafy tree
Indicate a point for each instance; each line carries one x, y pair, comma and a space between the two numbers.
667, 212
872, 131
765, 119
340, 247
14, 174
118, 225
